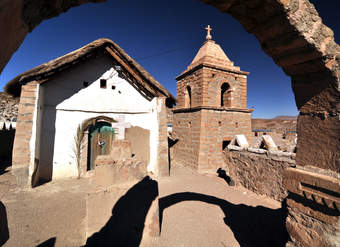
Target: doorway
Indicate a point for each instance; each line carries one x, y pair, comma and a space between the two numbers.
100, 139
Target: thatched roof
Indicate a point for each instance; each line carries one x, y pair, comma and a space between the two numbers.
46, 70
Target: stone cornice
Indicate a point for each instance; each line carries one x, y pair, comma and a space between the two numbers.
199, 66
214, 108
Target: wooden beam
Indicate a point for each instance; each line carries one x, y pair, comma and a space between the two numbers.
127, 67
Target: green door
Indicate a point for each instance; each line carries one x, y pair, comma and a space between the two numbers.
100, 141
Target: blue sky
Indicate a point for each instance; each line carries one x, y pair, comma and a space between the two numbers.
164, 36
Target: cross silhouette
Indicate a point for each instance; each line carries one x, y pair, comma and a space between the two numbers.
208, 28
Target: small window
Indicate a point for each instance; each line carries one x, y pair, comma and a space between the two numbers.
85, 83
113, 87
102, 83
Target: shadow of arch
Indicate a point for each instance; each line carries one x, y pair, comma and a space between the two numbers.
126, 225
252, 226
4, 233
48, 243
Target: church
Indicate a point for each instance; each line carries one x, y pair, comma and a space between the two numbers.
72, 108
211, 109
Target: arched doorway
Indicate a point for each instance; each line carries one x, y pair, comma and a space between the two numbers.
100, 138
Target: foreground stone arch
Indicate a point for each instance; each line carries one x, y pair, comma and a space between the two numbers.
292, 33
20, 17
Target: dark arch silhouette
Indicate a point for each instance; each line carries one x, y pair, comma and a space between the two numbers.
252, 226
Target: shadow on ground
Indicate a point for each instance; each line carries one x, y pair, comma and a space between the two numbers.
252, 226
222, 174
4, 163
4, 233
48, 243
126, 225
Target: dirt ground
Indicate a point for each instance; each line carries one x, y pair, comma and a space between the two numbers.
195, 210
203, 210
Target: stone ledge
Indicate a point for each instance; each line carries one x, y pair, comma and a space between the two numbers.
261, 151
226, 109
313, 194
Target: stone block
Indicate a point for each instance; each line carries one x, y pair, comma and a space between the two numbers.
110, 172
240, 140
268, 143
121, 150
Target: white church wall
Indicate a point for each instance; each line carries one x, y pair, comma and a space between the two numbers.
67, 103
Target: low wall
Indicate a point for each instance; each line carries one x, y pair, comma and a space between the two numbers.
259, 170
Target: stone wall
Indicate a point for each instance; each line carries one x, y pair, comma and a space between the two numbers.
163, 168
218, 127
259, 170
186, 130
201, 134
206, 85
22, 152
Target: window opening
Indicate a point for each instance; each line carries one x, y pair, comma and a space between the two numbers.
102, 83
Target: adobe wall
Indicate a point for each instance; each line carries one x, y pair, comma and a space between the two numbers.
162, 168
259, 170
194, 80
23, 148
237, 82
200, 135
186, 129
206, 84
216, 127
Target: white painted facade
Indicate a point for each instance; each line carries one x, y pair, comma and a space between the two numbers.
64, 103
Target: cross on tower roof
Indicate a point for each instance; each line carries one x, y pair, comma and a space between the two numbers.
208, 28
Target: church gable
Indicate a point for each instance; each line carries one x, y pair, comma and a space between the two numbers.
94, 86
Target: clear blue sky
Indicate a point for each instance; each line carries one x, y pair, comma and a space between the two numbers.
164, 36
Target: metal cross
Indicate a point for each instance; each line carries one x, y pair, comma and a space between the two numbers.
208, 28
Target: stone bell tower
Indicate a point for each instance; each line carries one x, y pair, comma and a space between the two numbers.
212, 108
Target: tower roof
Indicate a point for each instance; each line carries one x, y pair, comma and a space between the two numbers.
212, 55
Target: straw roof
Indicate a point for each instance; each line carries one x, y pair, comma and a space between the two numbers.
46, 70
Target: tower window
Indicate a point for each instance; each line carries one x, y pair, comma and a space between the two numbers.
102, 83
187, 99
225, 95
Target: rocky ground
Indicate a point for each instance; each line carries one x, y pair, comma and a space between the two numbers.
195, 210
8, 107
